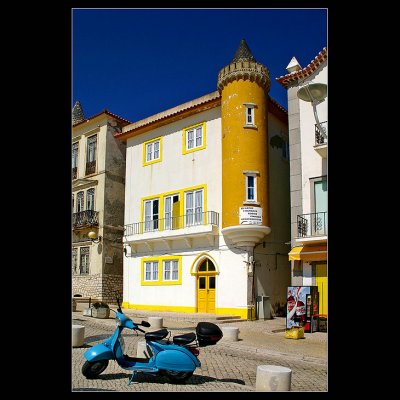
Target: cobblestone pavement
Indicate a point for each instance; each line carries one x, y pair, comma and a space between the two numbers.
225, 367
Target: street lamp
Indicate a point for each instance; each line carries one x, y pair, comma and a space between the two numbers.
314, 93
93, 237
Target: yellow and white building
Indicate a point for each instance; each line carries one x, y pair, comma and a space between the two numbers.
207, 210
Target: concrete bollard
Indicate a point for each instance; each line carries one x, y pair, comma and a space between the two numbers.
231, 333
156, 322
142, 351
273, 378
78, 334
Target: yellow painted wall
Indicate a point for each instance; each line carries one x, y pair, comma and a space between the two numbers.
243, 148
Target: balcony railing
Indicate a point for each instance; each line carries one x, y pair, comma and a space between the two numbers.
85, 218
90, 167
321, 137
166, 224
74, 172
314, 224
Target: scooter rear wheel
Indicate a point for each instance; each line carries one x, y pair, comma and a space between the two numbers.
177, 376
93, 369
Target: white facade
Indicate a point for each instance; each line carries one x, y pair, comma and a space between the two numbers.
174, 174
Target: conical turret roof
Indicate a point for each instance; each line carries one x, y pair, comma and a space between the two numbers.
243, 53
77, 113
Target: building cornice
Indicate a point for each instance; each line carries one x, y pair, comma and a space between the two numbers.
295, 76
185, 110
177, 113
123, 121
83, 183
246, 70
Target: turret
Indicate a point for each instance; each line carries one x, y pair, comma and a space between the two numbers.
244, 86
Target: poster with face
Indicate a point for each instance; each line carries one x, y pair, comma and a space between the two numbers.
296, 306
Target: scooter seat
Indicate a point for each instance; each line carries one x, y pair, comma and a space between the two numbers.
182, 340
156, 335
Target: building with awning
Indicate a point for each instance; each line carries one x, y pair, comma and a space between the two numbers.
308, 149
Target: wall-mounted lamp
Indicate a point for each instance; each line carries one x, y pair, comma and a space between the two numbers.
93, 237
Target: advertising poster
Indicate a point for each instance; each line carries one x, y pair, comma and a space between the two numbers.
296, 306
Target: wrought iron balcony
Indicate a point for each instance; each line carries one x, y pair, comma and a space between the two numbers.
172, 223
85, 218
321, 137
90, 167
314, 224
74, 172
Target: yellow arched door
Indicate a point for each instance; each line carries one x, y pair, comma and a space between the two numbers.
206, 276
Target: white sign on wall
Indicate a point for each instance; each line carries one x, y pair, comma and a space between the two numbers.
250, 215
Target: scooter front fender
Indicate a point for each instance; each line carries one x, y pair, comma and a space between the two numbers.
176, 360
98, 352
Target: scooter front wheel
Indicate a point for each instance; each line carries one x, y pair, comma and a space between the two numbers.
177, 376
92, 369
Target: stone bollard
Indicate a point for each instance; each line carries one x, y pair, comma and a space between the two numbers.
156, 322
231, 333
142, 351
78, 334
273, 378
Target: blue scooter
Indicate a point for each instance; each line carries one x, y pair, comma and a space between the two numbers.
177, 360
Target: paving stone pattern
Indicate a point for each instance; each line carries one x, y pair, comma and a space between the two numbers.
225, 367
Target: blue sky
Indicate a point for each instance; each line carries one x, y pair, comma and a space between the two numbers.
138, 62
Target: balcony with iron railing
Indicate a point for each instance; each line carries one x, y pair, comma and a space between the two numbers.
165, 230
321, 138
85, 219
312, 227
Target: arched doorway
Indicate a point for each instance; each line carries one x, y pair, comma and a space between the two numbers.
206, 276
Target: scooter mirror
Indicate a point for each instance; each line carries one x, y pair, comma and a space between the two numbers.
146, 324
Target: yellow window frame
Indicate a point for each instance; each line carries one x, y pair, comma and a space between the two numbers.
160, 280
185, 150
145, 162
161, 197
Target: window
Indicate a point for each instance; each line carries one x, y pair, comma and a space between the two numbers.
84, 261
251, 186
194, 207
285, 149
151, 271
73, 202
169, 216
74, 260
90, 199
163, 270
74, 160
151, 215
79, 202
249, 117
170, 270
194, 138
152, 151
91, 155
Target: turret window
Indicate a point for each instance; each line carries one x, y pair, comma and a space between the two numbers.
249, 117
251, 187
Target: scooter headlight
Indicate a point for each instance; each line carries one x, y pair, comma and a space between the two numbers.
118, 321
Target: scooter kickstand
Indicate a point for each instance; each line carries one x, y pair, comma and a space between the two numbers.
133, 376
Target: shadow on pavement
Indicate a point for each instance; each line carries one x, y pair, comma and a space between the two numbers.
95, 338
196, 379
91, 390
144, 378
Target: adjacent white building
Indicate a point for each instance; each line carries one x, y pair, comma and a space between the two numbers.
308, 148
98, 188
